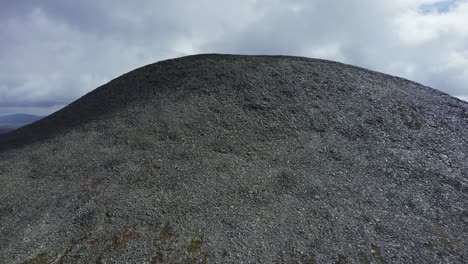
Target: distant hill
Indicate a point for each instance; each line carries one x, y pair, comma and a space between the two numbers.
241, 159
18, 119
11, 122
4, 130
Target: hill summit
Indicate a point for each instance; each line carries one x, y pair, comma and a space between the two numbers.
241, 159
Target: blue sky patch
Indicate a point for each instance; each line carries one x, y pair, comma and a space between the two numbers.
439, 7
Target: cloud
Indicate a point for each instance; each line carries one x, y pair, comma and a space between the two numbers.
55, 51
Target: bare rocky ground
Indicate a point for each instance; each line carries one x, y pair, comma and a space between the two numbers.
241, 159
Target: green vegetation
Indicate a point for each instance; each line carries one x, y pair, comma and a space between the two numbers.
167, 232
377, 255
194, 246
43, 258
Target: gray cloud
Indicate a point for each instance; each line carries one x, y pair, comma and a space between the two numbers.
54, 51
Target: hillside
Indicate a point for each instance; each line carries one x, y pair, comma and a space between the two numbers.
230, 159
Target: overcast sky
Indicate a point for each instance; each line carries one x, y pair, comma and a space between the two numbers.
54, 51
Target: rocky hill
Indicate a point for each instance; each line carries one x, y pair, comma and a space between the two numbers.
241, 159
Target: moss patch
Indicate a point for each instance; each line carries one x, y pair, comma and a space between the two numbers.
341, 260
309, 259
43, 258
157, 258
448, 240
121, 241
377, 255
363, 259
167, 232
194, 246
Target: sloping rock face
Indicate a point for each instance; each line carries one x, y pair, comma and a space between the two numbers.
241, 159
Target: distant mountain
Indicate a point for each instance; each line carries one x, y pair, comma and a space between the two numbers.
12, 122
4, 130
18, 119
241, 159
